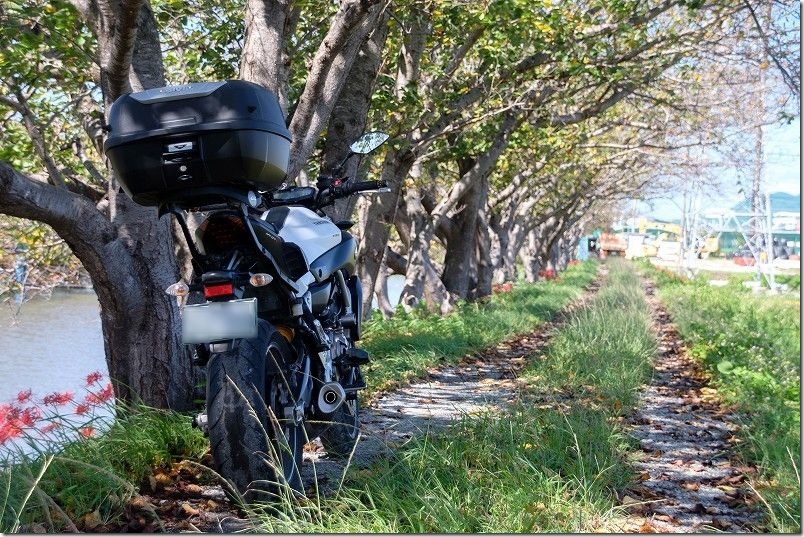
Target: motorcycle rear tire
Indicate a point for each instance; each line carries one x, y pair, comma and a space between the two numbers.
249, 448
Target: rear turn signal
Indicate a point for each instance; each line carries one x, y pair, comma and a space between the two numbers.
260, 279
178, 289
218, 289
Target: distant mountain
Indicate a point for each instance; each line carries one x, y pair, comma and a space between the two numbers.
780, 202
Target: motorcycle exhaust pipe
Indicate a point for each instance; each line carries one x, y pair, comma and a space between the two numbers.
330, 397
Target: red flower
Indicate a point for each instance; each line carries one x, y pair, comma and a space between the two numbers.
30, 415
8, 430
50, 427
8, 412
94, 377
101, 397
24, 396
57, 398
86, 432
82, 409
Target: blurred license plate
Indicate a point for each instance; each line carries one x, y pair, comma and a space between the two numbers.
218, 321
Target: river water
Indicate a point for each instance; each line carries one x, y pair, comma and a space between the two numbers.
49, 345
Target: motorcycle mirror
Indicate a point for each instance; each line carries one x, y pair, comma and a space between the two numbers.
369, 142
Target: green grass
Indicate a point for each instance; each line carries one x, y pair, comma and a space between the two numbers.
751, 346
406, 345
604, 348
550, 464
94, 474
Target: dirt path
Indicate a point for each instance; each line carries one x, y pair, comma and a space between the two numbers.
691, 481
481, 382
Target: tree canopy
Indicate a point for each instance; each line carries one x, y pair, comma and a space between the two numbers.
513, 124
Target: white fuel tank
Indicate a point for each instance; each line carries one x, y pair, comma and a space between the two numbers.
313, 234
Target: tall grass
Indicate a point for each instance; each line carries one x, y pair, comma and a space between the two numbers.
751, 346
605, 348
404, 346
551, 463
54, 487
80, 473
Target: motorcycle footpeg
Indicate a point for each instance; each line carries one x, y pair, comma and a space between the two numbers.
352, 388
354, 357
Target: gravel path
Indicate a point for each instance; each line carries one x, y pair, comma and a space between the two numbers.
690, 480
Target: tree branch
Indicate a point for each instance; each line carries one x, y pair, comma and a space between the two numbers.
330, 66
74, 217
38, 140
118, 61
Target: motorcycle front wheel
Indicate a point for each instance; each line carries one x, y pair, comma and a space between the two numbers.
255, 446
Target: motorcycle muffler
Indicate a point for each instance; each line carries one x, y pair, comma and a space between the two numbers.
330, 397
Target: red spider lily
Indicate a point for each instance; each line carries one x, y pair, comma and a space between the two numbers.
86, 432
30, 416
24, 396
94, 377
82, 409
548, 274
57, 398
50, 427
101, 397
9, 412
8, 430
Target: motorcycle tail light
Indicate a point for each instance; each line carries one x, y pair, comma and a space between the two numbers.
218, 289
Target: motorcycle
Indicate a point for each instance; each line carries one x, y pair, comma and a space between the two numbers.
279, 308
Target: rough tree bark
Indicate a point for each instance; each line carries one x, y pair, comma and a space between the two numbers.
267, 26
349, 115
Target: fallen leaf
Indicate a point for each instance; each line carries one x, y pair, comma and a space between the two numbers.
192, 488
163, 480
646, 528
721, 523
139, 502
644, 476
188, 509
91, 520
663, 518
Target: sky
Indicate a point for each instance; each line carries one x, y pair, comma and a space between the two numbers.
782, 174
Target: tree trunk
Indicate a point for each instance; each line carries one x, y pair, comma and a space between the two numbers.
421, 233
348, 119
485, 266
267, 25
378, 221
462, 249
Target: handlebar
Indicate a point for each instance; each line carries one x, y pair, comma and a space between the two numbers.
329, 195
362, 186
